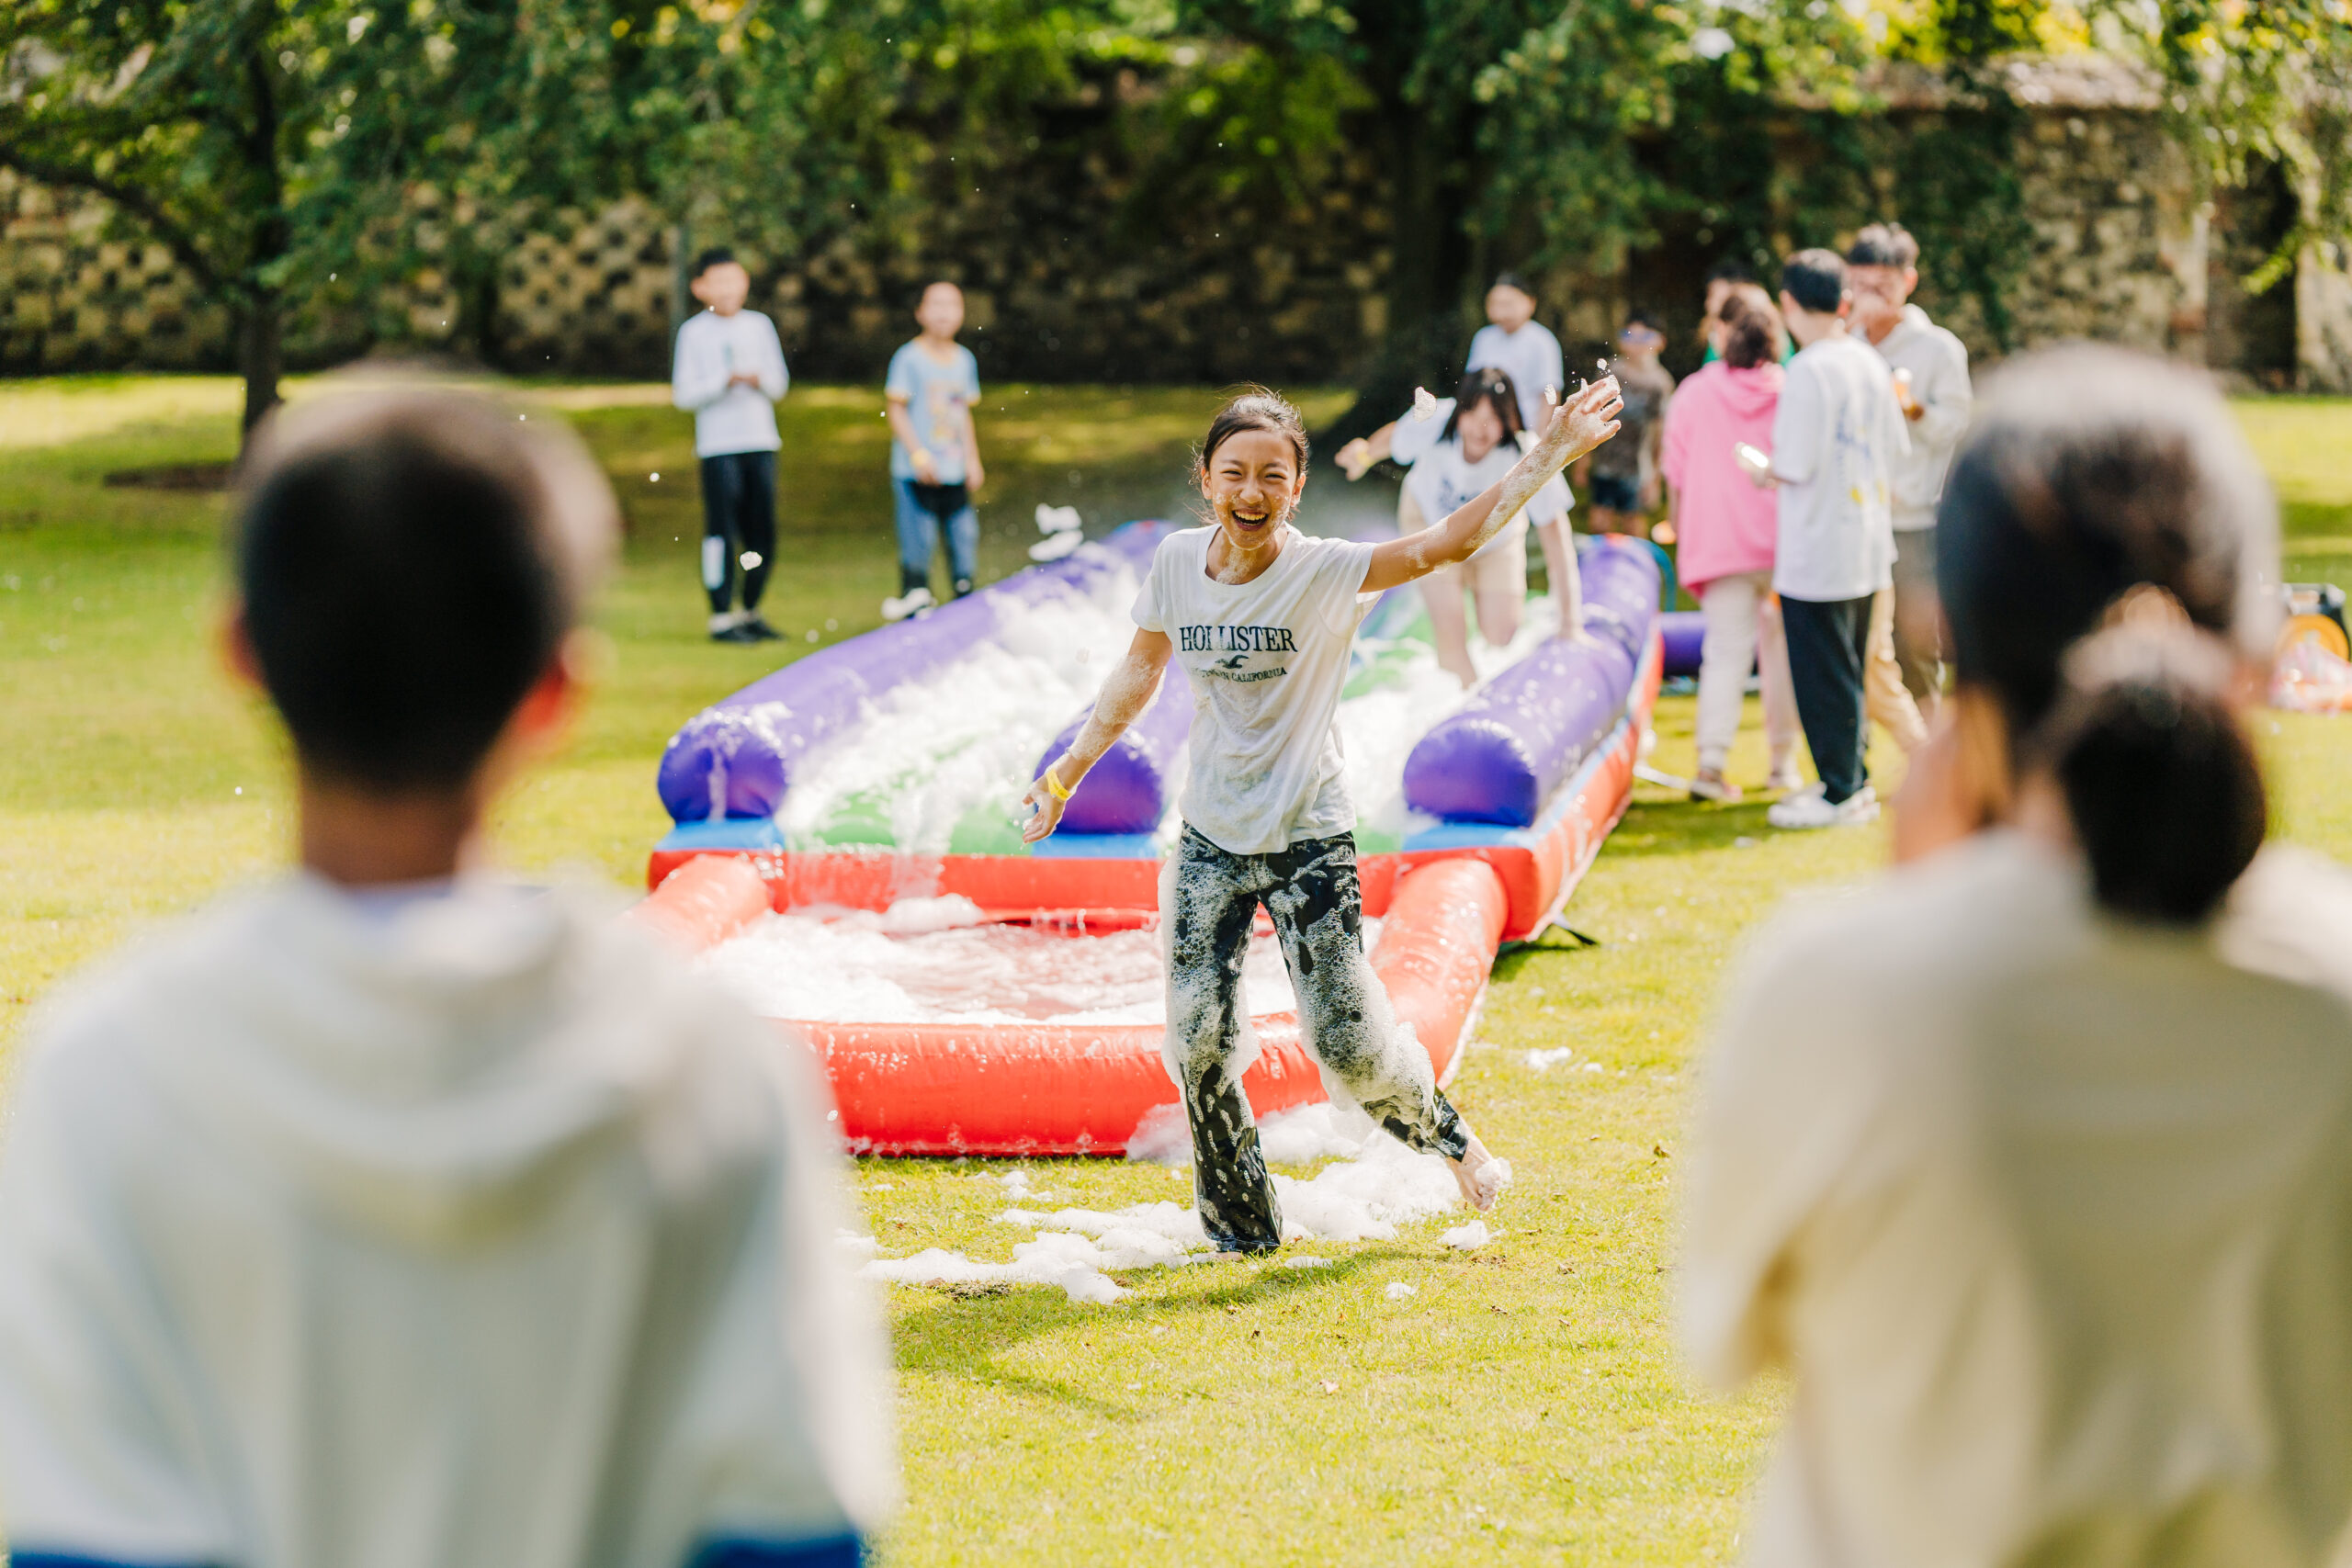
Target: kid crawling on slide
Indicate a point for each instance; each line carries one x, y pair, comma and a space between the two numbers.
1260, 617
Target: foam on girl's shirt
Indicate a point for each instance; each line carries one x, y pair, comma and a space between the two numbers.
935, 960
1363, 1199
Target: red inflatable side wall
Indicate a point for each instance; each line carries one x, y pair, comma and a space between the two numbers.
1006, 1089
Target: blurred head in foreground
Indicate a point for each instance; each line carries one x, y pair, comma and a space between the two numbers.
2032, 1161
411, 569
2109, 570
375, 1170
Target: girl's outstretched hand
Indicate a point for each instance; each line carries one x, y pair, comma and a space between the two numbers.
1047, 814
1582, 423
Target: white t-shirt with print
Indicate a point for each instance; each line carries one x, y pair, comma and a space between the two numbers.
1837, 438
1267, 659
1444, 481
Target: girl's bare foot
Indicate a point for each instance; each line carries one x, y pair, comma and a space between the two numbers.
1481, 1177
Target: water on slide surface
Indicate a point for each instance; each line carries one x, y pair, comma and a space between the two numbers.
942, 763
932, 961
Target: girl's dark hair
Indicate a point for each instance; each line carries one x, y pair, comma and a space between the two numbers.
1751, 333
1255, 408
1489, 386
2160, 779
2094, 473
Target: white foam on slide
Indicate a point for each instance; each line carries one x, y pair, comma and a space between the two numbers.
934, 961
1363, 1199
966, 735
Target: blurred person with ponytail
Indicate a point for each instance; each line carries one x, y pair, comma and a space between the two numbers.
2032, 1163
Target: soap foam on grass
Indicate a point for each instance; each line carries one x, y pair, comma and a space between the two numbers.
1367, 1198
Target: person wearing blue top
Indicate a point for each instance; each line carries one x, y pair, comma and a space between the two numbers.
934, 452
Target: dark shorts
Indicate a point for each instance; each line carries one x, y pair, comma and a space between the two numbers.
1613, 492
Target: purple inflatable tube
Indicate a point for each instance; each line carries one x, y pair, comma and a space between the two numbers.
1499, 757
736, 758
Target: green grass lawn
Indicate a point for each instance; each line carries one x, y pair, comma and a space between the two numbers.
1525, 1404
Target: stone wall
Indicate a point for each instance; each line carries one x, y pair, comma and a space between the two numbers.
2124, 248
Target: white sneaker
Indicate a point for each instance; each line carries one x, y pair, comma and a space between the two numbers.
907, 604
1810, 807
1783, 779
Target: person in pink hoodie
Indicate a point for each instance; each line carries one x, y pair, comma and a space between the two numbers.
1725, 528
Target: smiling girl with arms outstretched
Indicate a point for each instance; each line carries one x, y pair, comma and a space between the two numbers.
1261, 617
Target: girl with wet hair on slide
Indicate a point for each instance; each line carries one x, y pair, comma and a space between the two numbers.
2033, 1162
1260, 617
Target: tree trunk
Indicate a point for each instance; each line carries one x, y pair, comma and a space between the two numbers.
260, 357
1428, 254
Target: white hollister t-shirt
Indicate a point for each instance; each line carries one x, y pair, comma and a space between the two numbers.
1267, 659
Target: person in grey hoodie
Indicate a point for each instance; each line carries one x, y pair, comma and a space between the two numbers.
1930, 368
390, 1213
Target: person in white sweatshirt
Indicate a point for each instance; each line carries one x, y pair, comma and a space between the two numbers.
392, 1213
1930, 374
728, 371
1837, 435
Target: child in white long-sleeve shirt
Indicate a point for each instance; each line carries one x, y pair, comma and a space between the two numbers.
728, 372
1930, 368
390, 1213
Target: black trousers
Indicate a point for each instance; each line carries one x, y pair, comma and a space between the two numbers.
1311, 894
737, 521
1828, 641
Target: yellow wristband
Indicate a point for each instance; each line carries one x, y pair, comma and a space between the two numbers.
1054, 784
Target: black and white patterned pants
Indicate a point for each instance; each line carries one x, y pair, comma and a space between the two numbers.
1311, 894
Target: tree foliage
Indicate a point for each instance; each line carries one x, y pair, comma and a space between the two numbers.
352, 156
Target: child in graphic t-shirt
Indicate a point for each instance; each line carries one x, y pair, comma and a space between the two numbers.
1621, 478
934, 452
1260, 617
1836, 434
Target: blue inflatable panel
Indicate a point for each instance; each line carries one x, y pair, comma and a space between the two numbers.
724, 833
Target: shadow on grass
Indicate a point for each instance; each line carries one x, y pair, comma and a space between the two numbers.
964, 1336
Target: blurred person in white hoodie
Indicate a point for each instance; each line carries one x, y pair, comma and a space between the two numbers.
391, 1214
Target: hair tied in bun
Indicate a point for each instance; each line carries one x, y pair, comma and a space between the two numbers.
2143, 606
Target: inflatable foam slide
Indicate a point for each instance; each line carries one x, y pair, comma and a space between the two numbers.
846, 850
